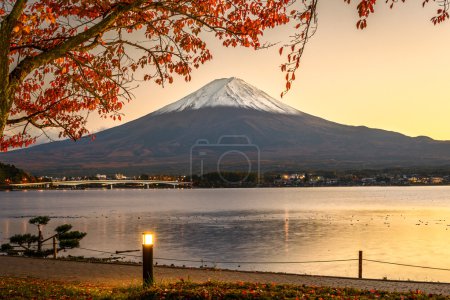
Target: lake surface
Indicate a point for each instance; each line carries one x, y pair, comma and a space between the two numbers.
409, 225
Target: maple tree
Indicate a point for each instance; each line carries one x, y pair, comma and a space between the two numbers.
63, 59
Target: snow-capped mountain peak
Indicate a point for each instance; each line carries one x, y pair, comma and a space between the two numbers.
229, 92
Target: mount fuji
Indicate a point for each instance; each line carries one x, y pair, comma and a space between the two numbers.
286, 138
229, 92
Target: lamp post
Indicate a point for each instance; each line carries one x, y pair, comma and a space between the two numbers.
147, 257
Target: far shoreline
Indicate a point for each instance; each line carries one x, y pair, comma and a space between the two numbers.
28, 189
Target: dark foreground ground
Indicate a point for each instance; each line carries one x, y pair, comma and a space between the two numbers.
22, 278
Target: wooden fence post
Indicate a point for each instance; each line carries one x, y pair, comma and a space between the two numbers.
55, 250
360, 260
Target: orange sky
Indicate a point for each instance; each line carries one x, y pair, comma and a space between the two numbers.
393, 75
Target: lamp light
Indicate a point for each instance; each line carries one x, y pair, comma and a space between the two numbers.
147, 257
147, 238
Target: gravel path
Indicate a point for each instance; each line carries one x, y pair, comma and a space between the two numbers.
124, 275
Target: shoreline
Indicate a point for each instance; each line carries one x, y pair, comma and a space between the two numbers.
112, 274
11, 189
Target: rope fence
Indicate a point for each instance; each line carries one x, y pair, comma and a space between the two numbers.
261, 262
223, 262
360, 260
405, 265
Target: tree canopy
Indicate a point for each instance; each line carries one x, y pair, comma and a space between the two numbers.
11, 174
62, 60
33, 245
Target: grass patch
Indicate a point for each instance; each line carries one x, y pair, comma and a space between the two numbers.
26, 288
30, 288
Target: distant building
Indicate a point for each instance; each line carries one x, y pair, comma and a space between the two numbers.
332, 181
437, 180
296, 176
316, 178
368, 180
414, 179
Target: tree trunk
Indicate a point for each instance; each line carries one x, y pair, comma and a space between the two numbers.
5, 99
6, 27
4, 110
55, 249
41, 238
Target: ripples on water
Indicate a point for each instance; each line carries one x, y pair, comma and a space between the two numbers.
396, 224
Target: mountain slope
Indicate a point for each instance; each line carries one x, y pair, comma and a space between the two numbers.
286, 138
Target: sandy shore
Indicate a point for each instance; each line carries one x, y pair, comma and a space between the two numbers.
124, 275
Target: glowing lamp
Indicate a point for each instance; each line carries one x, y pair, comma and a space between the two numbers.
147, 238
147, 258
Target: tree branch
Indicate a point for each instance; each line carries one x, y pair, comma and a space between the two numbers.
14, 15
35, 114
29, 64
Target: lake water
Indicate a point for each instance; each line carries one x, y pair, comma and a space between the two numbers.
409, 225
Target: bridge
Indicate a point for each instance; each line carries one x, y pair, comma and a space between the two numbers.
108, 183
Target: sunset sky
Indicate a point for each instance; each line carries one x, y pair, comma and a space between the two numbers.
394, 75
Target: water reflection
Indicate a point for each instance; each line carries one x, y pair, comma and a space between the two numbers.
286, 230
406, 225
